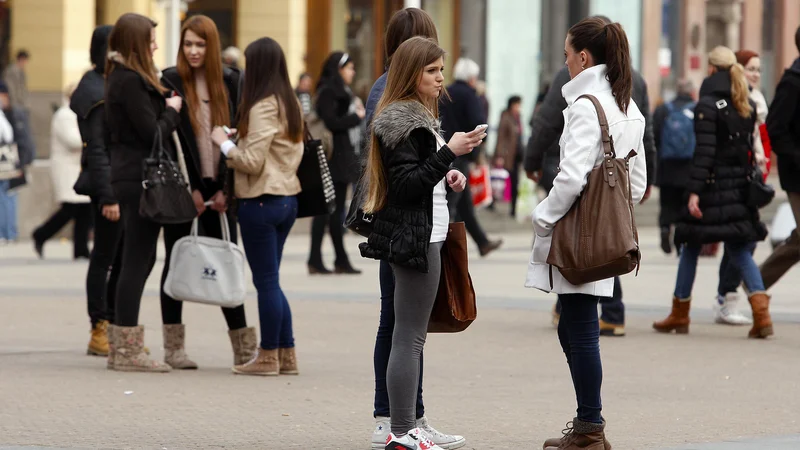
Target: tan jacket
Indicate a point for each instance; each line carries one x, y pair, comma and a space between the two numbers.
266, 160
508, 137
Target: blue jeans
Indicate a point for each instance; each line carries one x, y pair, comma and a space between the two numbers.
8, 212
612, 309
579, 334
383, 346
739, 257
729, 276
266, 222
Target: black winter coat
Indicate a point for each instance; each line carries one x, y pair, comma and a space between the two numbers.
172, 80
670, 172
548, 123
783, 129
720, 170
88, 103
402, 229
134, 110
461, 113
333, 102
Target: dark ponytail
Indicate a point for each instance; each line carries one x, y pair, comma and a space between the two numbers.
608, 44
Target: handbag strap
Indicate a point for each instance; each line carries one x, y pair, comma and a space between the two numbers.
306, 134
605, 134
157, 150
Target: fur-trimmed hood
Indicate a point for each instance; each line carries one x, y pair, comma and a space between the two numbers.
396, 122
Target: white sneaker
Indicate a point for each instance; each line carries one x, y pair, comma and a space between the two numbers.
726, 313
383, 427
414, 440
445, 441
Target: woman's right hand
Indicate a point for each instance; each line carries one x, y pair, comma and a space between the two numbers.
463, 143
175, 103
694, 206
199, 203
111, 212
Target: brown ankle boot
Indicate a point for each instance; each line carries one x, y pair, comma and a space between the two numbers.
98, 344
129, 355
678, 319
265, 364
288, 361
762, 322
244, 343
580, 435
175, 349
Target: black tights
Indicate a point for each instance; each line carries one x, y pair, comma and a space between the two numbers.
334, 223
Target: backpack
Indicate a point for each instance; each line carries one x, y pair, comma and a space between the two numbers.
316, 126
677, 136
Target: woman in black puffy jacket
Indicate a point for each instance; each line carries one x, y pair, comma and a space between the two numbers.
718, 208
95, 181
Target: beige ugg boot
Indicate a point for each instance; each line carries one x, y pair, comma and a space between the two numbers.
244, 343
174, 348
129, 355
265, 364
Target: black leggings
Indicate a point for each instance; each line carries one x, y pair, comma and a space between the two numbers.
104, 267
138, 258
334, 223
81, 213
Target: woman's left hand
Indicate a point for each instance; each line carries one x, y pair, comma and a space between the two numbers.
456, 180
220, 202
218, 135
694, 206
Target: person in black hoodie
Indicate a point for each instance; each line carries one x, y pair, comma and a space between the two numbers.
136, 110
784, 135
95, 181
210, 92
718, 211
342, 113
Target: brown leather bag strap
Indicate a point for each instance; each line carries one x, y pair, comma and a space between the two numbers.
605, 134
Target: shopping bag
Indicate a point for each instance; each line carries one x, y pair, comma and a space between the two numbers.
480, 185
527, 199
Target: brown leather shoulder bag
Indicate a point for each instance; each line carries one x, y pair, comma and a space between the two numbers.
597, 238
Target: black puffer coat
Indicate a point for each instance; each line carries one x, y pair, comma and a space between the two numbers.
333, 102
720, 169
402, 230
784, 115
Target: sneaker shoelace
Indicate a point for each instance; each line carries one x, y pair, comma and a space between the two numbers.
434, 433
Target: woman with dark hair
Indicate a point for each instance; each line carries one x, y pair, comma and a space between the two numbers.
210, 92
136, 109
403, 25
342, 113
265, 162
87, 102
599, 62
718, 211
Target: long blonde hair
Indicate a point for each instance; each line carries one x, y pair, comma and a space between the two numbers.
405, 73
723, 58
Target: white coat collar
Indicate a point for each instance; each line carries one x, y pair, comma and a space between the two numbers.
589, 81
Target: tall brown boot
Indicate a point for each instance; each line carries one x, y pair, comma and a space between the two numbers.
678, 319
174, 347
762, 322
785, 255
244, 343
580, 435
129, 355
287, 359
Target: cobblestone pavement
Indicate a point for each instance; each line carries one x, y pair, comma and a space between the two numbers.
503, 383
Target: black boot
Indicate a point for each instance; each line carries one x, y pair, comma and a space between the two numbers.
666, 246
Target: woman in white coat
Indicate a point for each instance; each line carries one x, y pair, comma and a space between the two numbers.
65, 166
598, 58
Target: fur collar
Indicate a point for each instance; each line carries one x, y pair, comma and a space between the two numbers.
396, 122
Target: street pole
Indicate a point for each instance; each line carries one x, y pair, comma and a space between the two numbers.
173, 26
412, 4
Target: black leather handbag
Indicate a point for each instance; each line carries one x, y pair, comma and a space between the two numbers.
759, 193
318, 197
357, 220
165, 198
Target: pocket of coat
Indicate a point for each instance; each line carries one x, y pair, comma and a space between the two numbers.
401, 244
541, 248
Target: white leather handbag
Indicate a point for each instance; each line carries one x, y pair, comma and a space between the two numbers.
207, 270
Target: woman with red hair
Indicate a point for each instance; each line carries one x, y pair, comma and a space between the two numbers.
210, 92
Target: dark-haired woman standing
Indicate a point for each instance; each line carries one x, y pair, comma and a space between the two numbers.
136, 110
342, 114
209, 91
266, 160
598, 58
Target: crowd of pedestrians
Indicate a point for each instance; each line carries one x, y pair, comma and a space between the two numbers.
237, 141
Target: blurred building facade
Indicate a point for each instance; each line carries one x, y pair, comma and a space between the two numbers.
518, 43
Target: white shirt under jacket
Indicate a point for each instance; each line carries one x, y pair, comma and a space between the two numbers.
581, 151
